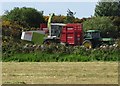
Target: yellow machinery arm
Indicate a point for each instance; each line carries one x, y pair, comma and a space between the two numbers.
49, 23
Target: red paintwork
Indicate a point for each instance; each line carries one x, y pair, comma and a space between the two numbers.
72, 34
43, 25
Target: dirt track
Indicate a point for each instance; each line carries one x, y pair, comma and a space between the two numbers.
60, 72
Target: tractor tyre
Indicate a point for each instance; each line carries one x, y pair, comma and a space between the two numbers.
47, 42
87, 44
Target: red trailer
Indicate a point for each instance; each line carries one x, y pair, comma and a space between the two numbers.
72, 34
43, 27
68, 34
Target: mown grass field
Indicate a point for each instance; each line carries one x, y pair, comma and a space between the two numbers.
60, 72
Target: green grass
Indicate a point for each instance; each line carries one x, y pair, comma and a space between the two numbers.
58, 53
62, 57
32, 57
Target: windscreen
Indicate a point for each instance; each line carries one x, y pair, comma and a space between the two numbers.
56, 30
95, 35
92, 35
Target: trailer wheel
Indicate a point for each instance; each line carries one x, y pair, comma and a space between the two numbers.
87, 44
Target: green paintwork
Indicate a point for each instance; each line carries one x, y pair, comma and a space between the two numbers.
94, 37
37, 38
107, 39
93, 31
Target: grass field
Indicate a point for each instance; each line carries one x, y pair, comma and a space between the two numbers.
60, 72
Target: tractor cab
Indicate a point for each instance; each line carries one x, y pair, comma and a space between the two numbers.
92, 38
92, 34
56, 29
54, 33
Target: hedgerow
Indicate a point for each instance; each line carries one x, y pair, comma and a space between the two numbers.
57, 53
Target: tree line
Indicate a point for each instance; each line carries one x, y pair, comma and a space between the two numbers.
106, 19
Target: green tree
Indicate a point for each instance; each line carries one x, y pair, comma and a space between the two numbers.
112, 10
104, 24
27, 17
107, 8
116, 22
70, 17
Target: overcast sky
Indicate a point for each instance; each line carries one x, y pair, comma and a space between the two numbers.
82, 9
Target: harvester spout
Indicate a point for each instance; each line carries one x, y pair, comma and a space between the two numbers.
49, 23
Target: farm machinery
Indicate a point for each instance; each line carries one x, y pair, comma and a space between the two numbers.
93, 39
67, 34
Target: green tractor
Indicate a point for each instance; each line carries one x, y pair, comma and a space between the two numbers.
93, 39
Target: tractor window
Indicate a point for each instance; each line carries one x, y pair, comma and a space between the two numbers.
95, 35
88, 35
55, 30
92, 35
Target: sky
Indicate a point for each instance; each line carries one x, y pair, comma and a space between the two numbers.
82, 9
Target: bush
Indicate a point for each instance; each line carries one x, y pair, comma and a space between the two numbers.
26, 17
104, 24
61, 53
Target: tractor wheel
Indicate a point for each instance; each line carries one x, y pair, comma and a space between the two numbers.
48, 42
87, 44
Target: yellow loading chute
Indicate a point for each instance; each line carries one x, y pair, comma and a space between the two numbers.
49, 23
